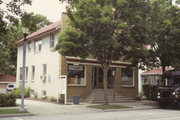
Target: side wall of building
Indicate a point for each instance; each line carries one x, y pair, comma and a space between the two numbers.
46, 56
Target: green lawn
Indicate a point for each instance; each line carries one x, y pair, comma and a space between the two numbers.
11, 111
151, 103
106, 107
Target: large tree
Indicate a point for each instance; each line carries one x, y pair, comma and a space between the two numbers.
97, 29
10, 12
162, 31
8, 54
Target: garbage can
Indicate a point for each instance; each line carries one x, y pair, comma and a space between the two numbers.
76, 99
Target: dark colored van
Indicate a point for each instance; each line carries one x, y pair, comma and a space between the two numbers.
169, 92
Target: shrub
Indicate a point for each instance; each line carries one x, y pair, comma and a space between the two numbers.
44, 98
137, 98
53, 99
7, 100
17, 92
150, 91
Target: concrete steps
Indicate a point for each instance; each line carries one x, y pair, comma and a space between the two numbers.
97, 96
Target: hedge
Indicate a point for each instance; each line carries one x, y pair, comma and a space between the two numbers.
150, 91
7, 100
17, 92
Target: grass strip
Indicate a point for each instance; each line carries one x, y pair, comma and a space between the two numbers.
106, 107
11, 111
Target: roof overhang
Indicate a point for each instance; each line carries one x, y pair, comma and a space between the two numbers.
90, 61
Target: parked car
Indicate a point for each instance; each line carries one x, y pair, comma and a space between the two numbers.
10, 88
169, 92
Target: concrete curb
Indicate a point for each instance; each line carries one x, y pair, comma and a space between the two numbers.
16, 115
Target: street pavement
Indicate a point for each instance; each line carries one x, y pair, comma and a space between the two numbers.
150, 114
46, 108
51, 111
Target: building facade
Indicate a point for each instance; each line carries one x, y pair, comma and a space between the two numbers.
44, 66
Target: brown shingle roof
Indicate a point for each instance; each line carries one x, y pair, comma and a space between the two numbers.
155, 71
41, 31
7, 78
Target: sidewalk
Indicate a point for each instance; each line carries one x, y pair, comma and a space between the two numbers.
46, 108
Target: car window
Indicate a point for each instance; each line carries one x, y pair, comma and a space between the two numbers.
11, 86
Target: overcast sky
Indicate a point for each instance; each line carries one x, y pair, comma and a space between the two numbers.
52, 9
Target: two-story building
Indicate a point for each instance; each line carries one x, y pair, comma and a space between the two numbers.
44, 66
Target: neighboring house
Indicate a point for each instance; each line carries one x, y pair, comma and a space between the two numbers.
152, 76
44, 68
6, 79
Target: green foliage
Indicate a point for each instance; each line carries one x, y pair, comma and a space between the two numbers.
17, 92
162, 36
44, 98
7, 100
101, 28
150, 91
34, 21
8, 52
53, 99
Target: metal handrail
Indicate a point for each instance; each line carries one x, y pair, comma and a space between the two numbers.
111, 88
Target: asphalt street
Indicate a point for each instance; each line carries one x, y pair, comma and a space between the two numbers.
150, 114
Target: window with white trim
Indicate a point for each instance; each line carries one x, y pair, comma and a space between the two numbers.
38, 46
44, 69
127, 76
52, 38
29, 47
20, 73
76, 74
33, 73
26, 73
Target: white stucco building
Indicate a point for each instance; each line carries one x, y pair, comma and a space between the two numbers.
42, 62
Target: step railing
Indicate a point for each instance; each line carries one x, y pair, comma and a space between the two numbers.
114, 92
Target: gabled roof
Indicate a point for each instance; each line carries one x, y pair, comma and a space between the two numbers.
155, 71
42, 31
6, 78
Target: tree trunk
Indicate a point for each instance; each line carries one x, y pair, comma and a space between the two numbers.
163, 69
105, 73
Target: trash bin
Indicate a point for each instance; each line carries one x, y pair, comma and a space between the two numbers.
76, 99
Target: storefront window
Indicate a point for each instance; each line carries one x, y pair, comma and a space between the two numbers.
76, 74
127, 77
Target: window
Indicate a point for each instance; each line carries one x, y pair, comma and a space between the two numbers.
21, 73
43, 93
44, 69
33, 72
76, 74
26, 73
52, 38
127, 77
38, 46
29, 47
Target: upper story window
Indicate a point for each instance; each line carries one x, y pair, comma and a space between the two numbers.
33, 72
52, 40
20, 73
38, 46
26, 73
44, 69
29, 47
127, 75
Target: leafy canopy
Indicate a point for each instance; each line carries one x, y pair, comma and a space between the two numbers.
99, 27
